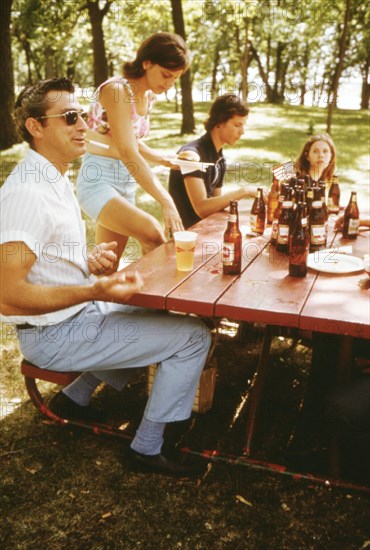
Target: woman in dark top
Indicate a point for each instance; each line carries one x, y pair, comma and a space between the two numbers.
198, 194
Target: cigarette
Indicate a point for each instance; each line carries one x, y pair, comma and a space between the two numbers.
97, 143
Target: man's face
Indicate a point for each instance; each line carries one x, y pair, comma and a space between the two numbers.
61, 143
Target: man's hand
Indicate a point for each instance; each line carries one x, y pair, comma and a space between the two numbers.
102, 259
118, 287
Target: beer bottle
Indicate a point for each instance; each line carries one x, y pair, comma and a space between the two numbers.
309, 199
275, 221
299, 194
282, 241
232, 243
299, 242
351, 218
334, 196
322, 187
258, 213
272, 200
301, 182
298, 197
317, 223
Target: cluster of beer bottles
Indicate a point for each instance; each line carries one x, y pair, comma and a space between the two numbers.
300, 219
298, 211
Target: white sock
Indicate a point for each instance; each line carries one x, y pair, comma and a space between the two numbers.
81, 389
149, 437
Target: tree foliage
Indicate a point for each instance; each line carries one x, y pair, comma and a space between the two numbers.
271, 50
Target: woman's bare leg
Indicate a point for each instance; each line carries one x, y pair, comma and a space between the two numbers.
120, 219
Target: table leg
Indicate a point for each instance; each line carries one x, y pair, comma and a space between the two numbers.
343, 373
256, 390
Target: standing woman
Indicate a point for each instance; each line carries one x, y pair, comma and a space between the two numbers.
118, 120
317, 158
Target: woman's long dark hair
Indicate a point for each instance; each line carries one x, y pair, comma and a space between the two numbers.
162, 48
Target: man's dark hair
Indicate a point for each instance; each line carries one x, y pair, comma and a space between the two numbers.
225, 107
32, 102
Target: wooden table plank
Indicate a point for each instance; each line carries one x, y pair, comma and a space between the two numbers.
338, 304
266, 292
158, 268
199, 293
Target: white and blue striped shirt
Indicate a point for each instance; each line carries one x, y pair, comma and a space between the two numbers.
38, 207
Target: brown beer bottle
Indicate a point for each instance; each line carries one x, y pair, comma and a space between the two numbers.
351, 218
299, 243
272, 200
322, 186
317, 222
232, 243
258, 213
275, 221
309, 199
282, 241
334, 196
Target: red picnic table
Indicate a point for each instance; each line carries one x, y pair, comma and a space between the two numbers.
263, 293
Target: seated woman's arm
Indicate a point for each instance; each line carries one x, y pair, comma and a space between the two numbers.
205, 206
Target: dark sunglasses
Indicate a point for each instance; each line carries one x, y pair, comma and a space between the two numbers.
71, 117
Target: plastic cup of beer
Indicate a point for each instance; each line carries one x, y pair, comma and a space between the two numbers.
185, 247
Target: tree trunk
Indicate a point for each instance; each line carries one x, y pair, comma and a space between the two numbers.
8, 135
49, 62
277, 94
96, 16
216, 60
365, 89
188, 122
263, 74
333, 96
303, 86
243, 50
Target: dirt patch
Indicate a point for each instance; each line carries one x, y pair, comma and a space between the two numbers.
69, 488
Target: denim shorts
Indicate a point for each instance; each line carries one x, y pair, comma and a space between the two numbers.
99, 180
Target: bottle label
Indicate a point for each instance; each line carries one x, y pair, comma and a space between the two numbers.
304, 222
283, 234
318, 234
228, 253
253, 222
287, 204
333, 205
274, 228
317, 204
353, 226
232, 218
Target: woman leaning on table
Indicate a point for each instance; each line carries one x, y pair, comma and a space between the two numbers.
118, 120
317, 158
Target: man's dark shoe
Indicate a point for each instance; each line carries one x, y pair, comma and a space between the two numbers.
162, 465
66, 408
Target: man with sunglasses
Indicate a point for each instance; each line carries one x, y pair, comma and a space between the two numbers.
67, 318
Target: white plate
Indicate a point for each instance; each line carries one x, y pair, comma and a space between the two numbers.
189, 165
333, 262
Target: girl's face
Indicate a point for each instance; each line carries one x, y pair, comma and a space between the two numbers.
159, 78
232, 130
319, 155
